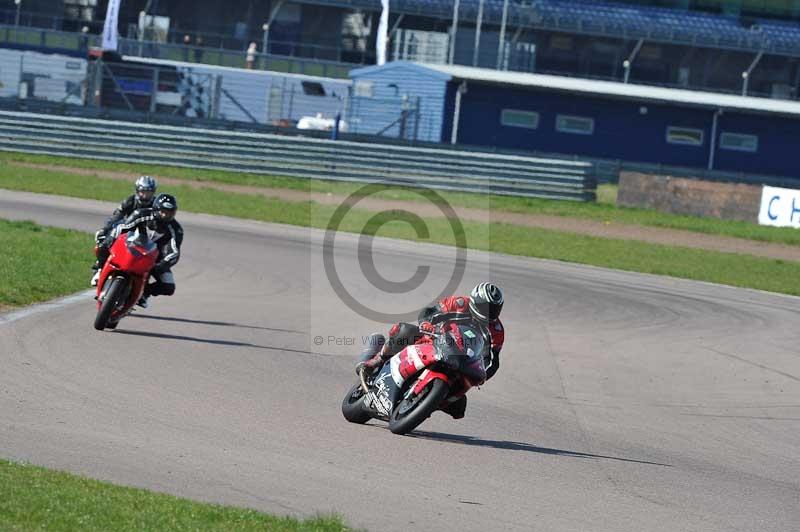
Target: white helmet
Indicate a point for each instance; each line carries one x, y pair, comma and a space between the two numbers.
486, 302
145, 190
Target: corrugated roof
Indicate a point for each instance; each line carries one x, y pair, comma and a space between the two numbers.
169, 62
615, 89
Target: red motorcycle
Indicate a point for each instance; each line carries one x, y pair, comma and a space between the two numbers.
422, 378
123, 278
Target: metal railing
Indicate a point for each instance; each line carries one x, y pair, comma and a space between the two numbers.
79, 43
601, 170
297, 156
237, 59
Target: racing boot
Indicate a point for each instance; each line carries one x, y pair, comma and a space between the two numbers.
374, 343
456, 408
374, 363
400, 335
102, 256
143, 301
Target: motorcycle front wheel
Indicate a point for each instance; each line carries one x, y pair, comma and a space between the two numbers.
353, 406
413, 410
110, 302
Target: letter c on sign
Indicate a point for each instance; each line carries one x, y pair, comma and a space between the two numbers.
769, 210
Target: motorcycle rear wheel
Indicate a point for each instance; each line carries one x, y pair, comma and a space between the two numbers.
353, 406
412, 411
110, 302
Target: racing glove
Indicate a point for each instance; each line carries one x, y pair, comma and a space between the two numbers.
426, 327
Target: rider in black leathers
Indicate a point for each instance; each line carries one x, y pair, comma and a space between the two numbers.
166, 232
145, 192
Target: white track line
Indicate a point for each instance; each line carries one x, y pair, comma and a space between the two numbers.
11, 317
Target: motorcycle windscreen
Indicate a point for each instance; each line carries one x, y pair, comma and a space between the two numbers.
142, 252
461, 349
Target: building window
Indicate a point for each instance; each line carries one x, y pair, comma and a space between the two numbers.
738, 142
684, 135
516, 118
364, 89
575, 124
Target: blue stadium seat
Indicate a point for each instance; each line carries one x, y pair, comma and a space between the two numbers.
606, 17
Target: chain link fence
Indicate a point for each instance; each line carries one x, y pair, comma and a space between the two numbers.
80, 43
206, 92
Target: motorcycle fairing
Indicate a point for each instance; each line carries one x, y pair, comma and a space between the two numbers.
132, 252
132, 255
383, 390
426, 377
410, 361
390, 380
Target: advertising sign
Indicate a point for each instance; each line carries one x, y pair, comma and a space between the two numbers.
780, 207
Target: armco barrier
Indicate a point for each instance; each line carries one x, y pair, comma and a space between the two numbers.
296, 156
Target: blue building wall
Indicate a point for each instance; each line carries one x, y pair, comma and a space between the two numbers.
449, 111
625, 129
777, 145
621, 130
417, 82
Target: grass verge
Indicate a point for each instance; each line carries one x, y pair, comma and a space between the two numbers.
604, 210
724, 268
39, 263
34, 498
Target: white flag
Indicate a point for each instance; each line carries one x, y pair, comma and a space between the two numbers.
110, 33
383, 30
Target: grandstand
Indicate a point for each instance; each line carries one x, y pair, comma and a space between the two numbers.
698, 44
523, 60
610, 19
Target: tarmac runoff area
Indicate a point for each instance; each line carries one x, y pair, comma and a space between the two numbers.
625, 402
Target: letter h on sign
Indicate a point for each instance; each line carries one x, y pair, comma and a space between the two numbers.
795, 209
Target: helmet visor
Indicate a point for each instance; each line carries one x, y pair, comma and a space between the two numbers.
166, 215
494, 311
145, 196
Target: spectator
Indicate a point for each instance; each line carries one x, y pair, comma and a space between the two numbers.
252, 50
85, 40
187, 42
198, 51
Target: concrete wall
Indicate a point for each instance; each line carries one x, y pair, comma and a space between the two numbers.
690, 196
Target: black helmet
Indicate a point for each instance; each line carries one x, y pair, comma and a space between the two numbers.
145, 190
486, 302
165, 206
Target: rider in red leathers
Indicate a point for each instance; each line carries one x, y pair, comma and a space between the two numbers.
482, 306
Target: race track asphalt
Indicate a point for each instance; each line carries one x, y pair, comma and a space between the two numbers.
625, 402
